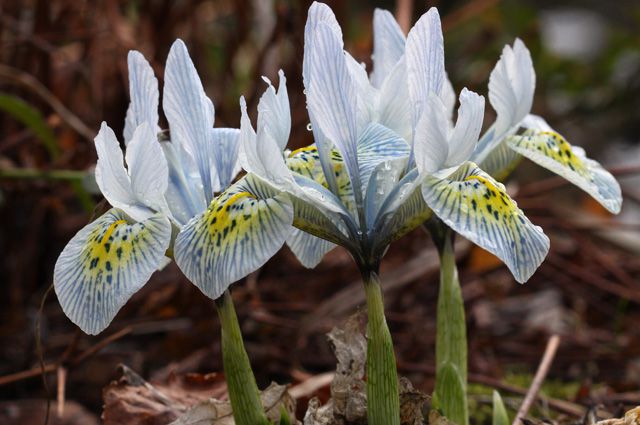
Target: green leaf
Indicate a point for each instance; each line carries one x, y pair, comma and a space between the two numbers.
500, 416
284, 417
451, 337
33, 120
451, 394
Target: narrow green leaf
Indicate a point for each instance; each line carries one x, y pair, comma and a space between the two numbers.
451, 394
500, 416
32, 119
451, 337
383, 400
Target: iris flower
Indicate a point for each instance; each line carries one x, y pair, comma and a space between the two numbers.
516, 133
465, 197
174, 198
358, 185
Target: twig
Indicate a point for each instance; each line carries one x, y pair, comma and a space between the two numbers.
561, 406
100, 345
404, 10
45, 369
62, 382
27, 80
538, 379
26, 374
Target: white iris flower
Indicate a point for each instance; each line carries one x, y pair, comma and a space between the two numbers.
169, 197
516, 133
387, 155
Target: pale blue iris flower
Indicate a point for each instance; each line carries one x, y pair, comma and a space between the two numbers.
387, 155
169, 198
516, 133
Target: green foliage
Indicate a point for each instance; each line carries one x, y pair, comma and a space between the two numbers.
284, 417
32, 119
500, 416
451, 396
241, 384
451, 338
383, 400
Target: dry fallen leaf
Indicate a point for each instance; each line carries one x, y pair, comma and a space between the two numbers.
348, 403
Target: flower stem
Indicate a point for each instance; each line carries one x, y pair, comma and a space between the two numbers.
451, 338
243, 390
383, 402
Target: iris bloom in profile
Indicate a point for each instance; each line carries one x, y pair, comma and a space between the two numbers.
182, 185
174, 198
516, 133
466, 197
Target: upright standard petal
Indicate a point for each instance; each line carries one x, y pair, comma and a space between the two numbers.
318, 13
242, 228
148, 168
476, 206
425, 60
388, 45
143, 92
105, 263
465, 134
190, 113
112, 177
551, 151
332, 96
274, 113
261, 155
511, 87
228, 142
431, 139
393, 107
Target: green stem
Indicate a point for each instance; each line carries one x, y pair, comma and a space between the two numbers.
451, 339
243, 390
383, 402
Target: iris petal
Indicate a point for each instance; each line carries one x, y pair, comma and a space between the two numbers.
476, 206
105, 263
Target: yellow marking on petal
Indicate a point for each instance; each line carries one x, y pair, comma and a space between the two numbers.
110, 230
224, 211
306, 162
556, 147
494, 202
310, 148
108, 247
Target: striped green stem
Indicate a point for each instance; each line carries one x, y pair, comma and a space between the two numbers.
243, 390
383, 402
451, 338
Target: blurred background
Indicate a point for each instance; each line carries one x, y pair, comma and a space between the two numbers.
63, 70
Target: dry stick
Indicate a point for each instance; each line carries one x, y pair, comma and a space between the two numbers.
404, 12
541, 373
561, 406
26, 374
27, 80
45, 369
62, 382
